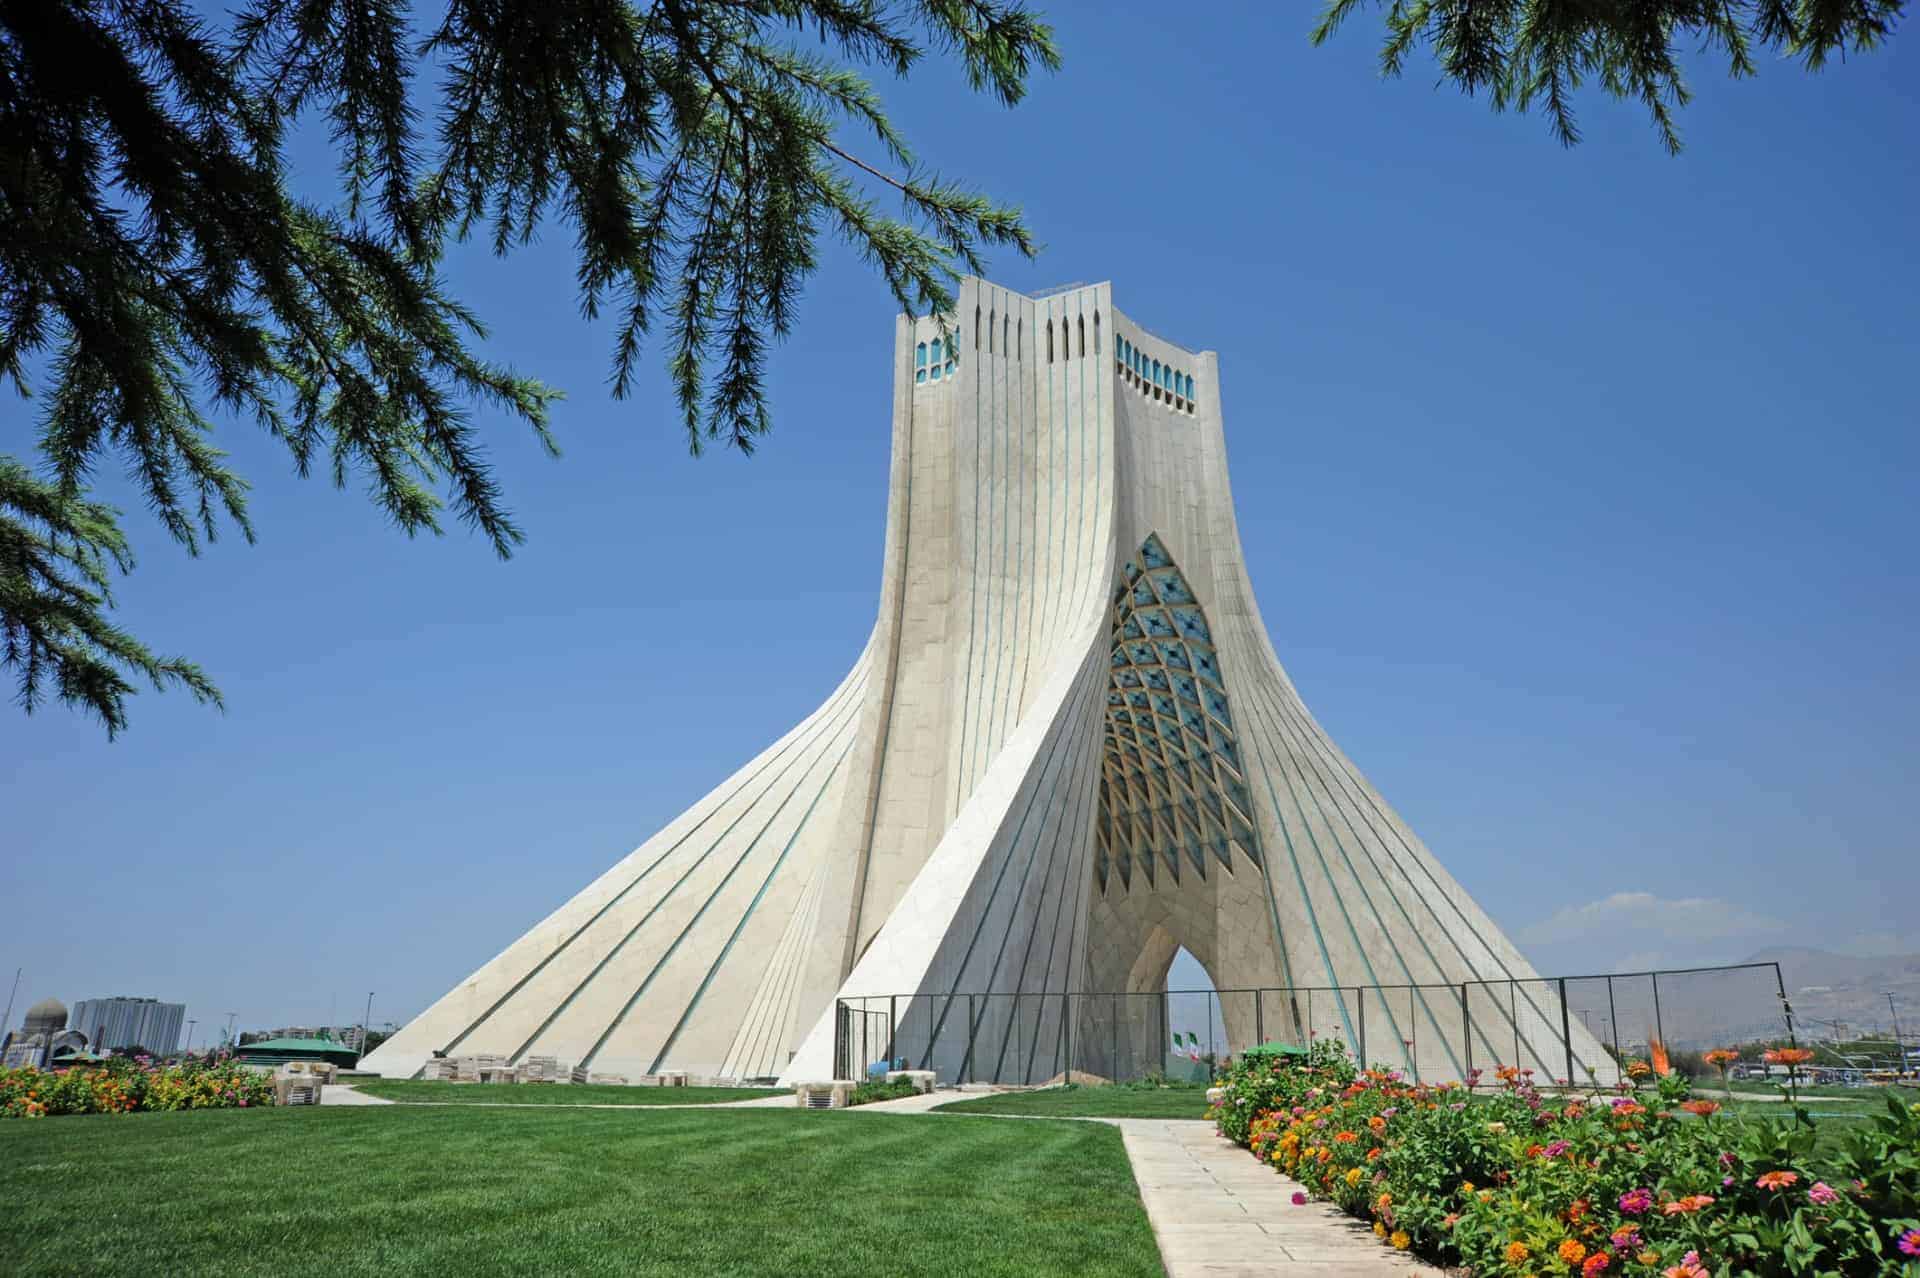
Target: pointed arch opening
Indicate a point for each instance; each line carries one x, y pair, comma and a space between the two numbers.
1196, 1024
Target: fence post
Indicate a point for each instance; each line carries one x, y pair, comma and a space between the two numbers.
1360, 997
1466, 1026
966, 1062
1001, 1055
1566, 1030
893, 1026
1613, 1030
1513, 1015
1259, 1017
1659, 1028
1413, 1028
1786, 1010
1166, 1029
1114, 1064
839, 1035
1066, 1021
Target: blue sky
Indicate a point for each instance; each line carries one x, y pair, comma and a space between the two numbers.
1578, 487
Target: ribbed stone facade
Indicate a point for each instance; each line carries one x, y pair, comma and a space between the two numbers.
1067, 750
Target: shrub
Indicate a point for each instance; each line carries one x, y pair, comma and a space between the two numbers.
881, 1090
1637, 1182
123, 1085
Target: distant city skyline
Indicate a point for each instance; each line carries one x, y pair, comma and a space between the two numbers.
1632, 437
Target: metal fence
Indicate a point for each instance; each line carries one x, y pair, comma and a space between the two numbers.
1575, 1028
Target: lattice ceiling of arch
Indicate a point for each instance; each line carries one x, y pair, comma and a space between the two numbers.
1173, 789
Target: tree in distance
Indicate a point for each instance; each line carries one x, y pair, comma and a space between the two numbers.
1537, 53
157, 271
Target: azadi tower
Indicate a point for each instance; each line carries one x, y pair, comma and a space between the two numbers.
1067, 751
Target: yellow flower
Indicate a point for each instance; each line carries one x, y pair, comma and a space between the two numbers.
1379, 1229
1466, 1187
1353, 1178
1400, 1239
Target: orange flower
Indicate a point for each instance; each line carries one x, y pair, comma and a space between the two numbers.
1688, 1205
1517, 1252
1572, 1252
1787, 1056
1377, 1123
1638, 1069
1720, 1056
1400, 1240
1701, 1108
1345, 1138
1777, 1180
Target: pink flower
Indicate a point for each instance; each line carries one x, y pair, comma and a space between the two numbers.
1909, 1243
1299, 1199
1727, 1159
1626, 1239
1823, 1193
1636, 1202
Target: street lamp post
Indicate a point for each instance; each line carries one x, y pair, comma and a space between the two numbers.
190, 1025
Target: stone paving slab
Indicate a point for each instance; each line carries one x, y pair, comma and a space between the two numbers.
1218, 1213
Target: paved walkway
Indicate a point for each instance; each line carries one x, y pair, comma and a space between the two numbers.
1219, 1213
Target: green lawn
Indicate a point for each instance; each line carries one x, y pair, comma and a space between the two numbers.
422, 1091
1712, 1087
380, 1191
1119, 1100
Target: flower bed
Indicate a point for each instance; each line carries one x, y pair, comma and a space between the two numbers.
1641, 1181
122, 1086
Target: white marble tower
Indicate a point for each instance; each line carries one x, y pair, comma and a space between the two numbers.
1067, 750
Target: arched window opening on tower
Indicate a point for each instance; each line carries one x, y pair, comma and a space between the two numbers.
920, 363
1020, 345
1081, 324
938, 363
1006, 332
1096, 332
1049, 341
976, 324
992, 319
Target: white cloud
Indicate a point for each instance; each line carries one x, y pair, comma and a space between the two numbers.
1642, 914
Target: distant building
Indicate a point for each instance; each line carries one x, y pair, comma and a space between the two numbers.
113, 1023
345, 1035
278, 1051
43, 1034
